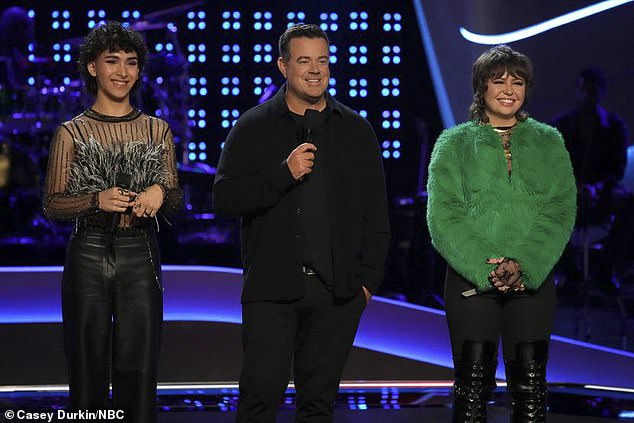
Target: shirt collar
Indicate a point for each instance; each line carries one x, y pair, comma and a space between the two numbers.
280, 108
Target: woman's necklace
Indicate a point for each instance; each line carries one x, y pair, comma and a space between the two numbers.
505, 135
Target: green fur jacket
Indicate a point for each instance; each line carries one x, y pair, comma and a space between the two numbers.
476, 211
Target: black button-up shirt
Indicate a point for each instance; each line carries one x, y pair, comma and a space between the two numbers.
254, 182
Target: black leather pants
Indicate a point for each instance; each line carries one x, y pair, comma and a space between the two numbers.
113, 309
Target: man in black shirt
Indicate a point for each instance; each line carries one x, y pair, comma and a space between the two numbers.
304, 172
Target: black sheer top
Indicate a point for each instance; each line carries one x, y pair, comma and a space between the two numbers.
89, 151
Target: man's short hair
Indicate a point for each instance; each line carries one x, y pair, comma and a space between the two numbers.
112, 37
299, 31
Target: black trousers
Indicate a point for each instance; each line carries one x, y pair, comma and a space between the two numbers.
517, 317
316, 332
113, 311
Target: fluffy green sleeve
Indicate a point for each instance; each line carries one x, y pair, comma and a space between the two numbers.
539, 250
453, 233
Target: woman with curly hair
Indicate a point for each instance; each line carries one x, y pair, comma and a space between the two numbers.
112, 169
501, 209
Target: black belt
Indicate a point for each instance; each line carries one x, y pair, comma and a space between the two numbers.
309, 271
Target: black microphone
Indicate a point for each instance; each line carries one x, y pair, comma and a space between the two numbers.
312, 121
122, 180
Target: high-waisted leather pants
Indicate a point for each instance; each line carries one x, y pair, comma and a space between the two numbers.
112, 303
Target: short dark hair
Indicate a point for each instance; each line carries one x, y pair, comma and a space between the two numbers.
299, 31
111, 36
492, 64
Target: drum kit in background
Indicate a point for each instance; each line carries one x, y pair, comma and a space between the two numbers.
39, 93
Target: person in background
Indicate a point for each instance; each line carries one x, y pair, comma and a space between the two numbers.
597, 142
501, 210
112, 169
304, 172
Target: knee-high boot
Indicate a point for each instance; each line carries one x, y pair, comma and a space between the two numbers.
526, 377
475, 381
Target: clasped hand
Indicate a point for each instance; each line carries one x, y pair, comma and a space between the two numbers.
145, 204
507, 275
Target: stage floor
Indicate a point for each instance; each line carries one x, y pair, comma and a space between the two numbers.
398, 401
398, 345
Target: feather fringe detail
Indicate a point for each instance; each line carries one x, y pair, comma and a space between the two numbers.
95, 166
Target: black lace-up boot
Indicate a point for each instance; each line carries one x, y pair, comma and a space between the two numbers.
475, 381
526, 377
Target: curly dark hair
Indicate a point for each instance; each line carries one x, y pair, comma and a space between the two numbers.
111, 36
492, 64
298, 31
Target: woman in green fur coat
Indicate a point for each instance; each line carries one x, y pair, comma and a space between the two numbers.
501, 210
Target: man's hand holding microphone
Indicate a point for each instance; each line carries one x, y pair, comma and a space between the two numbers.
301, 160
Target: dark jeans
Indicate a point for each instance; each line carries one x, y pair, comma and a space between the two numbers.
317, 332
518, 317
112, 302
